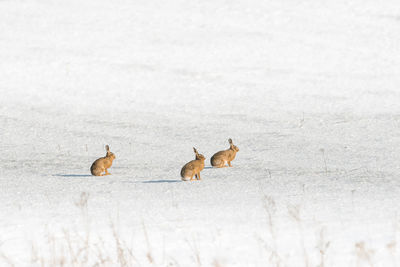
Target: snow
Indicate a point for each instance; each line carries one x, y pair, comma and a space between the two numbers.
308, 90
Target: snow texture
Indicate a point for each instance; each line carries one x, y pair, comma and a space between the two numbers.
308, 90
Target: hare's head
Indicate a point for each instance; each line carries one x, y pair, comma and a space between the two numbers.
198, 156
109, 153
233, 147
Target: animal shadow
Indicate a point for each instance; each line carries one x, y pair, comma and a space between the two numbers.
73, 175
161, 181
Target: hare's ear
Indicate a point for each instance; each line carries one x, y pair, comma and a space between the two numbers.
195, 151
107, 148
230, 141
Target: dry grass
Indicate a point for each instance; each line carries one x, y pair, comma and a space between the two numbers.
6, 260
193, 246
148, 254
364, 255
294, 212
81, 249
322, 247
270, 210
78, 249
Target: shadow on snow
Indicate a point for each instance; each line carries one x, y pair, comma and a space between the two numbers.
72, 175
161, 181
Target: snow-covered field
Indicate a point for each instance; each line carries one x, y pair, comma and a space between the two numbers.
308, 90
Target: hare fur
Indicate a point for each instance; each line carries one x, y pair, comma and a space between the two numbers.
221, 158
102, 164
193, 168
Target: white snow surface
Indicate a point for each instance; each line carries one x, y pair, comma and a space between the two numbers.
308, 90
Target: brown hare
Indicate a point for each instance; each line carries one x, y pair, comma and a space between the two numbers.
220, 158
102, 164
193, 168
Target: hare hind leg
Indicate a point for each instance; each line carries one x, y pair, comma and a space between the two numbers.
223, 164
219, 163
98, 172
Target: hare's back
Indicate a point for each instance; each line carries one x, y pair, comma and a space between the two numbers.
187, 168
98, 163
190, 165
220, 154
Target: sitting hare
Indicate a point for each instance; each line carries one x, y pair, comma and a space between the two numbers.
102, 164
220, 158
193, 168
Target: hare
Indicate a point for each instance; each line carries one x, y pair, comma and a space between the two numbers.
193, 168
220, 158
102, 164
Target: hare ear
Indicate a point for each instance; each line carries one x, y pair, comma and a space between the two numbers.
230, 141
195, 151
107, 148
